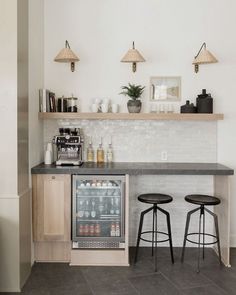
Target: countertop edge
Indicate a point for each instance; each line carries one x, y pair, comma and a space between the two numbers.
164, 169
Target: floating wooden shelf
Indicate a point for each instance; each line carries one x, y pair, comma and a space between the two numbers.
128, 116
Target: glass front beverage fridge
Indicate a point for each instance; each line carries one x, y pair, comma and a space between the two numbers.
98, 212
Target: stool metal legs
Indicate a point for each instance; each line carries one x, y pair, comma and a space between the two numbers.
155, 222
202, 216
154, 232
217, 232
140, 231
186, 231
199, 237
169, 231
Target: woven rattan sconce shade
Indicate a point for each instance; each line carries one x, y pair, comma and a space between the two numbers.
204, 56
133, 56
67, 55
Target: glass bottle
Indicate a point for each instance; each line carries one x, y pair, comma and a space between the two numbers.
112, 211
86, 211
97, 229
90, 152
101, 206
113, 230
117, 229
93, 211
80, 209
100, 153
110, 153
117, 206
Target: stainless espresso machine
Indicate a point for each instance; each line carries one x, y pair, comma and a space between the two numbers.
69, 146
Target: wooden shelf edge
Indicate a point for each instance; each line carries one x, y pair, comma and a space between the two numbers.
128, 116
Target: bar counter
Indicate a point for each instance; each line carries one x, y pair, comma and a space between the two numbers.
137, 168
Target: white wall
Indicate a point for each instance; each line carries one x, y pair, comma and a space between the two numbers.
8, 95
9, 201
168, 34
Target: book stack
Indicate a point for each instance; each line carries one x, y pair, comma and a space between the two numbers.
47, 101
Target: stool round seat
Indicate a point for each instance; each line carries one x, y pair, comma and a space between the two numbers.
202, 200
155, 198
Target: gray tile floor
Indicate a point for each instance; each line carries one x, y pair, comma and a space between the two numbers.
59, 278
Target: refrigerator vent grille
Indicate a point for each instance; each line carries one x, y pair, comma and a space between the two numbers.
96, 244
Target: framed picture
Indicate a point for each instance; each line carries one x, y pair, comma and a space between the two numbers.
165, 88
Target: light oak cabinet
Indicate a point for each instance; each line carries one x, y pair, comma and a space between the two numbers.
52, 217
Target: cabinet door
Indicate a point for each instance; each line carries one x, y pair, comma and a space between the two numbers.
51, 207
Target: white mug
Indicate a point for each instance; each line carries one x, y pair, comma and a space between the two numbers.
94, 107
114, 108
48, 158
104, 107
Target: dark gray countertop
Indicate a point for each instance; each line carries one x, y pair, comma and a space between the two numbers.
137, 168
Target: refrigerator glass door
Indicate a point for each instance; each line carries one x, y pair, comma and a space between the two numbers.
98, 211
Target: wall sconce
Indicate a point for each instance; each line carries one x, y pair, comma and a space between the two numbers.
67, 55
204, 56
133, 56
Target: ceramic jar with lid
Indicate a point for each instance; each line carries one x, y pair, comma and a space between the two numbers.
72, 104
204, 103
188, 108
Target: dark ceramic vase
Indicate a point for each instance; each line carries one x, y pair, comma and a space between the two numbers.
134, 106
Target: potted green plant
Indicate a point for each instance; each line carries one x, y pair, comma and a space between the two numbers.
134, 92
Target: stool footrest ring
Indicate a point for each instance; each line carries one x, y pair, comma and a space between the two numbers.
206, 243
158, 232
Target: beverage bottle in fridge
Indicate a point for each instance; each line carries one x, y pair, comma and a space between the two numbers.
113, 229
80, 213
101, 206
86, 230
117, 206
81, 230
86, 211
97, 230
117, 229
93, 210
91, 230
112, 211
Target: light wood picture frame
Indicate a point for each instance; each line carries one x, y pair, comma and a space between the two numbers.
165, 88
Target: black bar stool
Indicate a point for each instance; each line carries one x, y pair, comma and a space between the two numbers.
154, 199
202, 201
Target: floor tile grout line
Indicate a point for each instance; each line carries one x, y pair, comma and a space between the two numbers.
135, 289
173, 284
213, 283
86, 280
144, 274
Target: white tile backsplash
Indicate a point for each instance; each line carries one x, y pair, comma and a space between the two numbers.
144, 141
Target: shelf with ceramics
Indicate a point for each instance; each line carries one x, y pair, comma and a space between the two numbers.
131, 116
